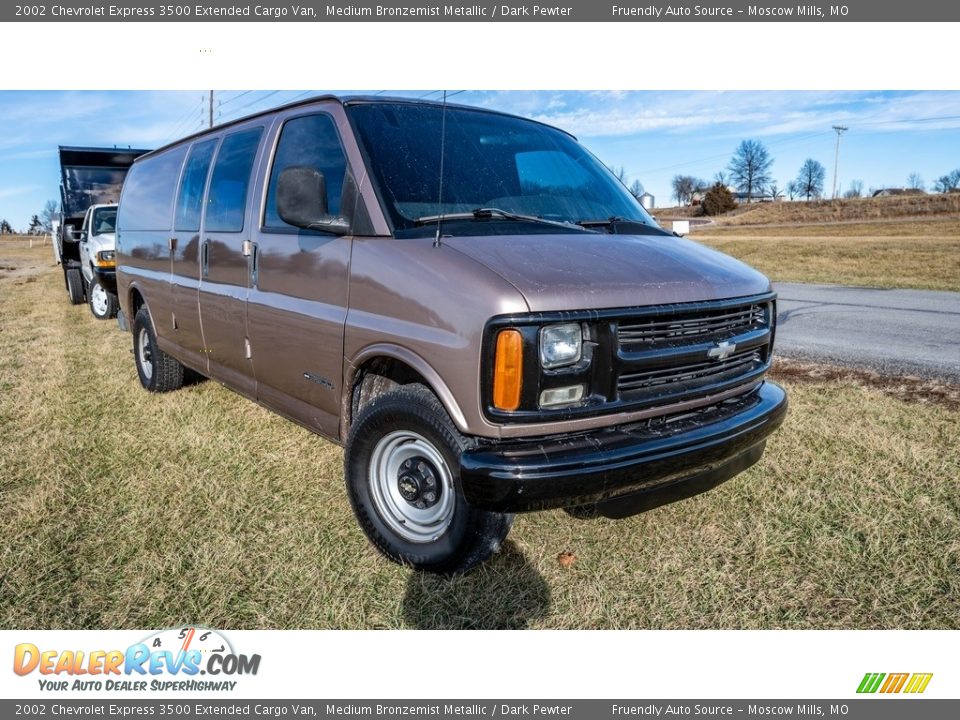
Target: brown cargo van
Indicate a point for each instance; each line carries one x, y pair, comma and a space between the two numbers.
469, 301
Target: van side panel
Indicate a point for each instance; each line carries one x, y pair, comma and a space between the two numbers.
144, 220
225, 272
185, 257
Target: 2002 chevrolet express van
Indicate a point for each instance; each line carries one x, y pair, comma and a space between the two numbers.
468, 301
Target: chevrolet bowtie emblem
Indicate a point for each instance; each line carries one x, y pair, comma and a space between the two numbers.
722, 351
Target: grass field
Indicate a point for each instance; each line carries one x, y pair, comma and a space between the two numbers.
127, 510
869, 260
894, 242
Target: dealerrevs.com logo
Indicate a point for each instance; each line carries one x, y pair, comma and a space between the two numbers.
179, 659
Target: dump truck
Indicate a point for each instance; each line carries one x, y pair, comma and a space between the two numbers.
89, 177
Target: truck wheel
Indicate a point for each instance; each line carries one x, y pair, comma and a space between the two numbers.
402, 471
158, 371
103, 303
74, 286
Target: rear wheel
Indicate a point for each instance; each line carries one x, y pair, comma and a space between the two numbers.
103, 303
402, 474
158, 371
74, 285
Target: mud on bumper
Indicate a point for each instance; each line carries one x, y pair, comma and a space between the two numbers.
626, 469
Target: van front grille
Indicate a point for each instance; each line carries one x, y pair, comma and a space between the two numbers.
681, 352
719, 323
692, 375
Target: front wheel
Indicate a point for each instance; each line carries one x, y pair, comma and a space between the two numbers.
158, 371
402, 474
103, 303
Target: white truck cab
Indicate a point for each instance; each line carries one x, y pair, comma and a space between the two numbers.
98, 262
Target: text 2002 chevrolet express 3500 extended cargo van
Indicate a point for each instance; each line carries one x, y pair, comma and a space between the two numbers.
469, 301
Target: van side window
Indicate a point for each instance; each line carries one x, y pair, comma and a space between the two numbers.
310, 140
227, 197
190, 199
147, 199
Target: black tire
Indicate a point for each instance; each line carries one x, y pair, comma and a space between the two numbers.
470, 535
74, 286
103, 303
158, 372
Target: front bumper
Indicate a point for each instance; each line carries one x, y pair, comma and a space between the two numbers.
626, 469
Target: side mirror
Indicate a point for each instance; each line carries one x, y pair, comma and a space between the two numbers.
70, 234
302, 201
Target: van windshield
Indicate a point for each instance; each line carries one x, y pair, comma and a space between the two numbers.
519, 168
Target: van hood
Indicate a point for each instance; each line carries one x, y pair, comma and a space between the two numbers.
581, 271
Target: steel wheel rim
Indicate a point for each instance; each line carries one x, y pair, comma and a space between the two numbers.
98, 298
419, 525
145, 353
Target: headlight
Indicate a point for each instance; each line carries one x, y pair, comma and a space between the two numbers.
560, 345
107, 258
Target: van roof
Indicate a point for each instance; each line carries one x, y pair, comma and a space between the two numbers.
345, 101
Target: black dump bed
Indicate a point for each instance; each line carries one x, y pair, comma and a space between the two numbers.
91, 176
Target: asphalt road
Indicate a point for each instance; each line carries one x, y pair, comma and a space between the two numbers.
895, 332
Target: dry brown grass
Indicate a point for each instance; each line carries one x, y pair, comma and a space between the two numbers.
825, 255
827, 211
127, 510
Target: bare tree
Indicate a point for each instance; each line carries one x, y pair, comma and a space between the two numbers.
810, 179
50, 212
36, 226
720, 177
750, 167
915, 182
775, 192
5, 228
684, 186
948, 183
620, 173
636, 189
856, 189
792, 190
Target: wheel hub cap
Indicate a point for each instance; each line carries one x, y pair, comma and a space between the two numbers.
418, 483
411, 486
99, 295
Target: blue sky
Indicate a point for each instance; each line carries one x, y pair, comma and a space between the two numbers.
654, 135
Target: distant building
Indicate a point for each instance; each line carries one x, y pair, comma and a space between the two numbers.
648, 201
890, 192
754, 197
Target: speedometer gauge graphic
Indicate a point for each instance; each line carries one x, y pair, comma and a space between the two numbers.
183, 639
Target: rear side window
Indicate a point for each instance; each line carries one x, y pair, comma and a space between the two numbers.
147, 200
190, 199
227, 197
310, 140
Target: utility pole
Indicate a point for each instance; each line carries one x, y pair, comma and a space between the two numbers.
210, 110
841, 129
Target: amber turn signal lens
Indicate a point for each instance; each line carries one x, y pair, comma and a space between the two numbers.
508, 370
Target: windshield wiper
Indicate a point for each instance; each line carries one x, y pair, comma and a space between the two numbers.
611, 223
490, 213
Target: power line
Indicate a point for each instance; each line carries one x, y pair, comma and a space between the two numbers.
257, 101
235, 97
183, 124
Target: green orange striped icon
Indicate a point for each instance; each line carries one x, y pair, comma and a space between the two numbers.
894, 682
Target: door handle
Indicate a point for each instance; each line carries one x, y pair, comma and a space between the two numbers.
205, 258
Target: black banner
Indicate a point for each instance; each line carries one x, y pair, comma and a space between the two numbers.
419, 11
